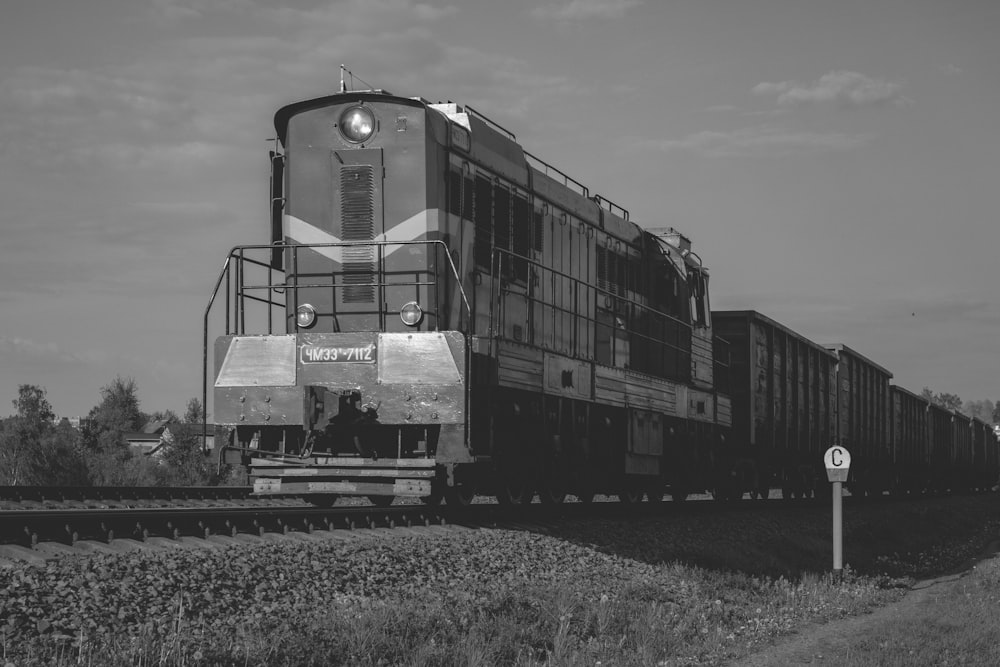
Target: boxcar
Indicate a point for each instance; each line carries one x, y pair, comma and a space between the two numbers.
783, 401
984, 455
942, 452
962, 439
910, 441
863, 419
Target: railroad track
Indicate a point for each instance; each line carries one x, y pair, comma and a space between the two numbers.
99, 497
43, 521
93, 521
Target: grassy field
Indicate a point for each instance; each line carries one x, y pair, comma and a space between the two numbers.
683, 591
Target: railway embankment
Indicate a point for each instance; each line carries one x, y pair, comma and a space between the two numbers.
678, 588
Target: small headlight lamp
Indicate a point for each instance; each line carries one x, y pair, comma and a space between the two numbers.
357, 124
411, 314
305, 316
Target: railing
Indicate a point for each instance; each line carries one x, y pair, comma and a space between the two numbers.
610, 206
265, 282
603, 326
544, 167
491, 122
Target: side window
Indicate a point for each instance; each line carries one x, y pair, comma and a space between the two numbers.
455, 190
483, 219
698, 288
501, 221
521, 235
602, 268
538, 228
467, 196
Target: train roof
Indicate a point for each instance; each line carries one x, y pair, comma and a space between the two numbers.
500, 147
902, 390
838, 348
285, 113
751, 315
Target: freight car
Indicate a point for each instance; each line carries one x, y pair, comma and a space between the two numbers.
783, 403
440, 313
863, 421
911, 441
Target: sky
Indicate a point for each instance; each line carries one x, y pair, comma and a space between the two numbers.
835, 164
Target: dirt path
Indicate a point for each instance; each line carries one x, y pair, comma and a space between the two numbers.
830, 643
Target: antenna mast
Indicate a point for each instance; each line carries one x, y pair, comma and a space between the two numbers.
346, 74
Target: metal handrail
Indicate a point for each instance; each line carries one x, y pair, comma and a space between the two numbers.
237, 258
490, 121
498, 289
567, 180
610, 206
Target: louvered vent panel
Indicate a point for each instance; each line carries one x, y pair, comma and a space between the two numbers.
357, 213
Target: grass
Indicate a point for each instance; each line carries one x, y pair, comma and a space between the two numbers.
720, 616
949, 625
680, 615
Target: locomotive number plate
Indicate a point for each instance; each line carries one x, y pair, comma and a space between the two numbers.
318, 354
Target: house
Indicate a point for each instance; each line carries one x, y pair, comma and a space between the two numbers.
156, 434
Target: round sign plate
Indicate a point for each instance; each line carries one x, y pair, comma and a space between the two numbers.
837, 458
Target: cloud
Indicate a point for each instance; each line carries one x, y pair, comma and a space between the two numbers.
581, 10
845, 88
46, 351
181, 10
760, 141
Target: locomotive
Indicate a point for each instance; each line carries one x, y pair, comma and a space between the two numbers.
441, 314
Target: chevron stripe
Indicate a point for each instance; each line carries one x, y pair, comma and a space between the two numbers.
413, 228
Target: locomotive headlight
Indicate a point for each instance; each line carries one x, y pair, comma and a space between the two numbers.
305, 316
357, 124
411, 314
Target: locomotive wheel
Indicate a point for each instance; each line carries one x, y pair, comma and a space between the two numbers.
515, 492
585, 497
630, 496
678, 495
461, 495
654, 494
435, 497
551, 495
381, 501
323, 500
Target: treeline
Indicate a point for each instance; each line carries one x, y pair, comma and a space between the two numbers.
36, 450
988, 411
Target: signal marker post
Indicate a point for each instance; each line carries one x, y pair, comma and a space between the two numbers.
838, 464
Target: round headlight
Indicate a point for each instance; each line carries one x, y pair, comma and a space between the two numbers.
305, 316
411, 314
357, 124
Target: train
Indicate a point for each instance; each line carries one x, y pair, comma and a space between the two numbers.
440, 314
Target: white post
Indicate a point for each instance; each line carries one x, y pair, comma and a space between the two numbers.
838, 463
838, 531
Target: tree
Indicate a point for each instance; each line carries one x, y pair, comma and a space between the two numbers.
996, 413
60, 459
22, 434
33, 408
112, 463
163, 416
192, 414
116, 414
979, 409
34, 451
944, 400
186, 463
